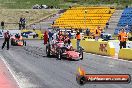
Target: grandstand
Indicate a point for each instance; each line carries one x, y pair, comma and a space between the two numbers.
126, 19
84, 17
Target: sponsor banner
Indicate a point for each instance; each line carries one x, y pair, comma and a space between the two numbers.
12, 32
27, 34
104, 78
32, 34
83, 78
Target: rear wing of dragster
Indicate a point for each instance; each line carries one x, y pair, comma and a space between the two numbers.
83, 78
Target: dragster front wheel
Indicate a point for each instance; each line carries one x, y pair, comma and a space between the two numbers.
48, 50
81, 55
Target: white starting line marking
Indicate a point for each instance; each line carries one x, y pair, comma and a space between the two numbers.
11, 71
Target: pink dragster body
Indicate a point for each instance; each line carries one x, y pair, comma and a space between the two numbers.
73, 54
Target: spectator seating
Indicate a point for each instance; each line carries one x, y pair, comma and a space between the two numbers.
84, 17
126, 19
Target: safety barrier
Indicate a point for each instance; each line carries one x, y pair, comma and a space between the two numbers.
96, 47
32, 34
125, 53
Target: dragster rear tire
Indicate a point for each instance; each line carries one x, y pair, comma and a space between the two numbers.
81, 55
25, 43
12, 42
48, 50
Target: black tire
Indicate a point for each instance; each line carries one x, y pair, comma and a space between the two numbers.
25, 43
12, 42
82, 80
48, 51
59, 57
81, 54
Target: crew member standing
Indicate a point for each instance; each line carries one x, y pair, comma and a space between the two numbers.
69, 35
122, 36
87, 32
50, 34
45, 37
7, 38
97, 34
78, 37
3, 25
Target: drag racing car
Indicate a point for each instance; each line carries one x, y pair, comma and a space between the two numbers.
17, 41
60, 51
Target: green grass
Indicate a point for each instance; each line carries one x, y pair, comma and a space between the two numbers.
27, 4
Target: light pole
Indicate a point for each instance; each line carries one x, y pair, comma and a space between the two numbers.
85, 18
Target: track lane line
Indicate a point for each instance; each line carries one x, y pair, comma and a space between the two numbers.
11, 71
115, 58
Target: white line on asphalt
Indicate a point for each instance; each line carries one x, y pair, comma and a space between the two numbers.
111, 57
11, 71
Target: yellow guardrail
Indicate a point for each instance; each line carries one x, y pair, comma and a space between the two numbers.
125, 53
32, 34
96, 47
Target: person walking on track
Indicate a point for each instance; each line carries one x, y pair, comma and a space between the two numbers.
7, 38
122, 36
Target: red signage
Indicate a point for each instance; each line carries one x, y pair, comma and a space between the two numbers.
103, 48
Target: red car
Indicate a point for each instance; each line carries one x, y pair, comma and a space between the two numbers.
60, 51
17, 41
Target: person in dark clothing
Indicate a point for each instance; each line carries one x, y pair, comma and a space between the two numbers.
53, 23
2, 24
107, 24
7, 38
19, 26
23, 23
87, 32
50, 34
69, 35
20, 23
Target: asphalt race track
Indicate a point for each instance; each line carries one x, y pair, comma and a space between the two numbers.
33, 69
